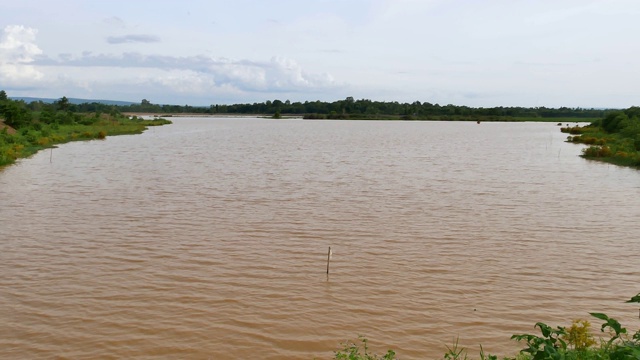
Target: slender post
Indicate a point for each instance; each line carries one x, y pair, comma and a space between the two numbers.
328, 259
51, 156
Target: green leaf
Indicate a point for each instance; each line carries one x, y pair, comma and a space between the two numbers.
600, 316
635, 299
544, 329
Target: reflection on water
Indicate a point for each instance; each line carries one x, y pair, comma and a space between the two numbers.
208, 239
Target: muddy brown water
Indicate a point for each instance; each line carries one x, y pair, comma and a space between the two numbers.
208, 238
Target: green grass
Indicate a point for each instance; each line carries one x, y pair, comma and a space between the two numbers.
29, 140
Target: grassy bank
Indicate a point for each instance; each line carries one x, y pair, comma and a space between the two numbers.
613, 139
574, 342
35, 133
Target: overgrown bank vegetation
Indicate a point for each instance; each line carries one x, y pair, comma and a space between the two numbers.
576, 342
24, 131
614, 139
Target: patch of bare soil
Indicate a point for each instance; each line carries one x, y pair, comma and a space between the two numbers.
10, 130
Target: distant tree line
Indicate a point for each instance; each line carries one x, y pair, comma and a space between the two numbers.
19, 114
351, 108
341, 109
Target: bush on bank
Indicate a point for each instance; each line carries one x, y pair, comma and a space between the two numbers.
614, 139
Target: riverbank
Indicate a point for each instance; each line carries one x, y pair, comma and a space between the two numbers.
614, 139
382, 117
200, 115
26, 141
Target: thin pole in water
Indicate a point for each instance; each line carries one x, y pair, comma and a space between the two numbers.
51, 156
328, 259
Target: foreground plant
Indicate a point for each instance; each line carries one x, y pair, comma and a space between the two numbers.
552, 345
354, 351
575, 343
579, 336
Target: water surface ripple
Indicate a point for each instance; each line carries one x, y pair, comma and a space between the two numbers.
208, 238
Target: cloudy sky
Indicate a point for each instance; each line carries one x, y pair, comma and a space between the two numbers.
575, 53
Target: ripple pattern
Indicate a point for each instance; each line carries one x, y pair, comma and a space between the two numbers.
208, 238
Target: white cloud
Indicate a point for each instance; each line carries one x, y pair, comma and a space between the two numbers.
286, 73
17, 51
278, 74
476, 53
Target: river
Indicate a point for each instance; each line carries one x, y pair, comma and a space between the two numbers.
208, 239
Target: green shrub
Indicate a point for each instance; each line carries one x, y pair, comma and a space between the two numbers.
354, 351
597, 152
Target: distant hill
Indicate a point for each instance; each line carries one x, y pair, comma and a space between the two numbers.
74, 101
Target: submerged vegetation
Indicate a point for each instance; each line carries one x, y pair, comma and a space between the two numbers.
576, 342
24, 131
614, 139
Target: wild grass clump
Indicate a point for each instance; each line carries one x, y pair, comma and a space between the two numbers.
9, 153
44, 141
597, 152
360, 351
573, 130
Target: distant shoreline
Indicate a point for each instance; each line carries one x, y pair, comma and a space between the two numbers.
560, 121
166, 115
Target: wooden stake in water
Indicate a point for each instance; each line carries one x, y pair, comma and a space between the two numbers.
51, 156
328, 259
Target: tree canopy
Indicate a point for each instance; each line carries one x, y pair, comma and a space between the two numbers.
363, 108
340, 109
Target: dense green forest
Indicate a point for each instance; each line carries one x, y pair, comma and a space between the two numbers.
27, 128
350, 108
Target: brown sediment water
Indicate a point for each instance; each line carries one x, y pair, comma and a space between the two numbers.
208, 239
